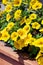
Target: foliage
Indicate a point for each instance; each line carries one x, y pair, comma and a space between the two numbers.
21, 25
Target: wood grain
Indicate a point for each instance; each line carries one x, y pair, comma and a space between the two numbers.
9, 53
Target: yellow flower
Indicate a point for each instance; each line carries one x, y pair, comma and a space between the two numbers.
32, 40
14, 36
19, 44
8, 17
22, 33
26, 28
39, 58
3, 30
27, 39
8, 8
38, 55
6, 29
37, 5
41, 30
10, 25
0, 13
4, 1
32, 2
38, 42
33, 16
23, 20
5, 36
41, 49
29, 35
17, 14
0, 35
28, 21
26, 42
17, 2
42, 22
29, 8
35, 25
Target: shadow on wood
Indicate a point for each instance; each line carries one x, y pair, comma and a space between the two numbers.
12, 57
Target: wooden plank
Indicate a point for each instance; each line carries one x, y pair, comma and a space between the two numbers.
11, 54
5, 60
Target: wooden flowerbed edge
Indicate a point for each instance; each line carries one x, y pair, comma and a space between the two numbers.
8, 51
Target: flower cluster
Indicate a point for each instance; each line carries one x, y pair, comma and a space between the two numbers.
21, 25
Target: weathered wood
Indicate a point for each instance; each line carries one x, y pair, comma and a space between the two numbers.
10, 55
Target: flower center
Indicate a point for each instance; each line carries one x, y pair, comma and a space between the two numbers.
0, 34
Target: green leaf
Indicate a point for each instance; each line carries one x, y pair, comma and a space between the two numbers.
38, 35
33, 51
13, 48
11, 42
3, 25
